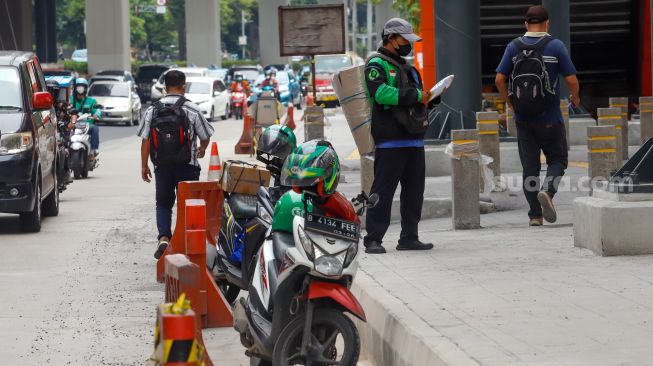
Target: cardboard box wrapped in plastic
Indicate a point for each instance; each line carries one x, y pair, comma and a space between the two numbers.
350, 88
242, 177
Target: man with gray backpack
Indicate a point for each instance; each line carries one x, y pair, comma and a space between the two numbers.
170, 130
527, 79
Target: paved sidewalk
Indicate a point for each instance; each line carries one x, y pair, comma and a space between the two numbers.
508, 294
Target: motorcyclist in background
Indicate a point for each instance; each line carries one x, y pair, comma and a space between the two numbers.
85, 104
239, 81
271, 80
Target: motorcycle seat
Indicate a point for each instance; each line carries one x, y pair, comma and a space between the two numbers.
243, 206
281, 242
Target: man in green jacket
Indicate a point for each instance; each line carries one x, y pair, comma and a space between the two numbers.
85, 104
396, 91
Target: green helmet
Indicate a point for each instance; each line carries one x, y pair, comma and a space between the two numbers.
314, 164
274, 146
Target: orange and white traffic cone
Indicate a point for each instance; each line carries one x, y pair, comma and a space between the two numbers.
215, 166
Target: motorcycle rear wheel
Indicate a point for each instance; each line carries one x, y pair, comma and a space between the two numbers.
79, 163
334, 340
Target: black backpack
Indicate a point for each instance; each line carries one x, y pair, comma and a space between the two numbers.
170, 138
530, 88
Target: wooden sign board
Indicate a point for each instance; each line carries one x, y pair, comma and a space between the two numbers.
312, 30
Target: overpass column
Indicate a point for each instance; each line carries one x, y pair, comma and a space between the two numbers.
268, 31
559, 27
107, 35
458, 35
203, 42
16, 25
46, 30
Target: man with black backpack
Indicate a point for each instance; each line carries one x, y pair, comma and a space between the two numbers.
527, 78
170, 130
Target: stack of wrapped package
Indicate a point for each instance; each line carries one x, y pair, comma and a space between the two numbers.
350, 88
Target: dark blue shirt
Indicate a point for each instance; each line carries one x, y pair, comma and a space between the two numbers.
557, 61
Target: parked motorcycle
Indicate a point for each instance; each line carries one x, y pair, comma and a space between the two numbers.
299, 291
64, 176
81, 159
246, 218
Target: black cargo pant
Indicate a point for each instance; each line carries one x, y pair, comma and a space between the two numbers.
391, 167
549, 138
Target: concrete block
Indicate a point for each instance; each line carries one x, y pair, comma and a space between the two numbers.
610, 228
578, 130
646, 118
634, 133
487, 124
622, 104
438, 163
313, 123
602, 151
611, 117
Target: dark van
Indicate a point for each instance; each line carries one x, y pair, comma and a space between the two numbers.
28, 125
144, 79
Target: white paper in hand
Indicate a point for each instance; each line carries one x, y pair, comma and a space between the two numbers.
439, 88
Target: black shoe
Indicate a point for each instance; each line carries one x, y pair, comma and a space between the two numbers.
163, 245
414, 245
374, 247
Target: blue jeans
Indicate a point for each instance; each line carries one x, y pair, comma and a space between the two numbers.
166, 179
94, 134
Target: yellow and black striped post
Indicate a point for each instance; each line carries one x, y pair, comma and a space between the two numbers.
601, 151
487, 124
645, 118
612, 117
622, 104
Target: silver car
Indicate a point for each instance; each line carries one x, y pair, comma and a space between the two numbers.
119, 99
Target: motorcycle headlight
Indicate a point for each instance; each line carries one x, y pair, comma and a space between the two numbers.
328, 265
351, 254
307, 243
265, 215
14, 143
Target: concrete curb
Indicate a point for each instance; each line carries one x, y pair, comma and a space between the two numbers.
395, 336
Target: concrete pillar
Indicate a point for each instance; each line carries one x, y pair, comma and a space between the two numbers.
612, 117
367, 177
268, 31
564, 109
622, 104
46, 30
601, 151
16, 25
457, 30
646, 118
488, 129
203, 47
465, 177
510, 121
313, 123
107, 35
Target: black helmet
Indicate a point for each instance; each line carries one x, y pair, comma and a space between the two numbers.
274, 146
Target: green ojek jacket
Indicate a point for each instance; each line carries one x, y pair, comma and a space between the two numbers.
86, 103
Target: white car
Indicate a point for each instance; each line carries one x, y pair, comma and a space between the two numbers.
210, 94
80, 55
159, 89
119, 100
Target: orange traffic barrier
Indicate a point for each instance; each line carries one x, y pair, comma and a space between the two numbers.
212, 194
309, 100
290, 117
244, 145
177, 338
211, 304
215, 166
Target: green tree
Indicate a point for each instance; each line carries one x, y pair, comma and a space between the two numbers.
409, 10
152, 32
70, 23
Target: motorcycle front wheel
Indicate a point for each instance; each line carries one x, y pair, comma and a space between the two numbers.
334, 341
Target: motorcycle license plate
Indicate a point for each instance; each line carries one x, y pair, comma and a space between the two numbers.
346, 230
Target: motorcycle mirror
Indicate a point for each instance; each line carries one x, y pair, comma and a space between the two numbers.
373, 200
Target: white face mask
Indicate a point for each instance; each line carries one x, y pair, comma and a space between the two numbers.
80, 89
